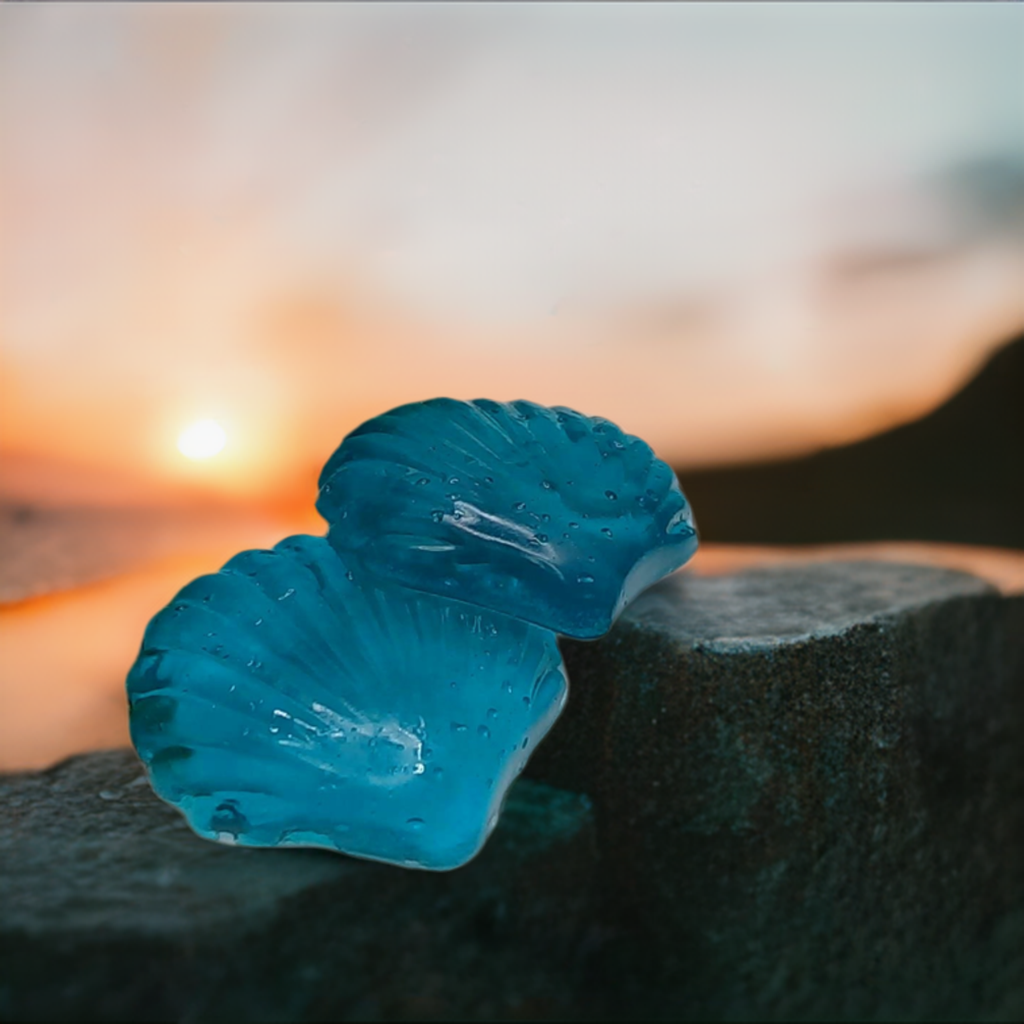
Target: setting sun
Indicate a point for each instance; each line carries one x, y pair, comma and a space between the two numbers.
202, 439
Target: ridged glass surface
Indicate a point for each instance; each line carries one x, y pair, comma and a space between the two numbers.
539, 513
286, 701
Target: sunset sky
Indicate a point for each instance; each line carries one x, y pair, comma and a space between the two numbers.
230, 233
737, 230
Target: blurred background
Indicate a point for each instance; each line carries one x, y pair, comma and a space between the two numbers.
782, 243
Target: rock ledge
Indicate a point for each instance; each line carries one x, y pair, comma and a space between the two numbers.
787, 793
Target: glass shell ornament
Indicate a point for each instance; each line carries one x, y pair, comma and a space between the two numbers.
542, 514
287, 701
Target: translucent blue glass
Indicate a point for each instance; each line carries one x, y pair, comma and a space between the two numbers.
286, 701
538, 513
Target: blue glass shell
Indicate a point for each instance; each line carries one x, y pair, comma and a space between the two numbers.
282, 701
538, 513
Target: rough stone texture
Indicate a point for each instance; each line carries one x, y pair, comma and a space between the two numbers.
808, 802
808, 785
111, 909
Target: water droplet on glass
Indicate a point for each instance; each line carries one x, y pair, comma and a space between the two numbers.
574, 526
526, 701
584, 579
350, 576
258, 622
423, 480
482, 730
415, 823
607, 532
287, 593
459, 727
492, 712
519, 506
437, 515
546, 484
611, 495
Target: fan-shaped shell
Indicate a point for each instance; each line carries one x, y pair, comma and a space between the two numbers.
539, 513
281, 701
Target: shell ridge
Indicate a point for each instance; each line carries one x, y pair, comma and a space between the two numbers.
295, 657
247, 746
211, 687
320, 753
383, 459
304, 764
313, 643
480, 443
270, 656
499, 421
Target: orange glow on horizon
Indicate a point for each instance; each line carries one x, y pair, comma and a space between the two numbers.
730, 393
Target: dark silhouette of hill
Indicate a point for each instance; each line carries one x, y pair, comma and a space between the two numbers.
955, 475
